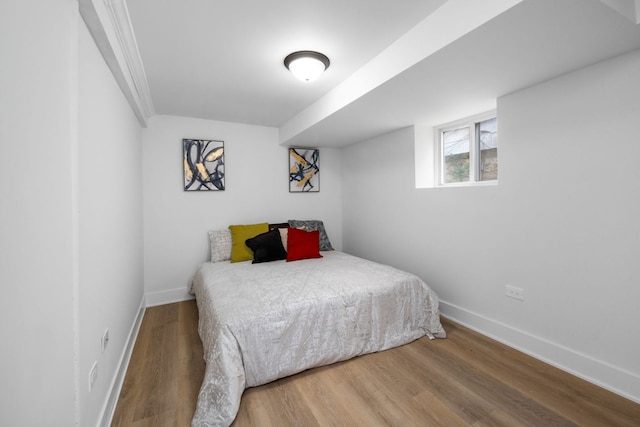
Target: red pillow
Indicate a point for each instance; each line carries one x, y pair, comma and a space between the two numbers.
303, 244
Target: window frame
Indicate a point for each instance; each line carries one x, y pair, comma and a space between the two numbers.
474, 150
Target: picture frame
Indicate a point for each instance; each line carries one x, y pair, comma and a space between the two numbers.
203, 164
304, 170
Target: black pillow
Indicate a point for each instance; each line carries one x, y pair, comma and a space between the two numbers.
267, 247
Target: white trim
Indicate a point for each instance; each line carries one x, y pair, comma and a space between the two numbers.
109, 407
492, 183
110, 26
602, 374
168, 297
122, 25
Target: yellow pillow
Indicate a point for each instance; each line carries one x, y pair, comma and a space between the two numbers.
239, 234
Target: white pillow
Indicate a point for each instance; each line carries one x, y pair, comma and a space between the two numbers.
220, 241
284, 236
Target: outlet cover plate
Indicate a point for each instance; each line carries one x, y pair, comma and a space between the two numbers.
514, 292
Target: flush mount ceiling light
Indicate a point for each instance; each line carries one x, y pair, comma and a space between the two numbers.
306, 65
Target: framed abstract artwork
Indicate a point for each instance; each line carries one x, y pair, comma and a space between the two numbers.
304, 170
203, 161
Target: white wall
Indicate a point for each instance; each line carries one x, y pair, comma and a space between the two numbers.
36, 229
71, 218
176, 222
562, 223
110, 227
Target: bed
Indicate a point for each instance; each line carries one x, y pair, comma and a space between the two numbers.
267, 320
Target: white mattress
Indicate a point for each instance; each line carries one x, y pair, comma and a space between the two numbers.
260, 322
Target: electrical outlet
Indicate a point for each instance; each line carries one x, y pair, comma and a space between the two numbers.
514, 292
105, 340
93, 375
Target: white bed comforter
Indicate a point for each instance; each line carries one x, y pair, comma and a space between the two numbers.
260, 322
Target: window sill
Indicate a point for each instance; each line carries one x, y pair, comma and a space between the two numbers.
469, 184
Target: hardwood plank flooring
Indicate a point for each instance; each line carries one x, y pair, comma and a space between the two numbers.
464, 380
165, 371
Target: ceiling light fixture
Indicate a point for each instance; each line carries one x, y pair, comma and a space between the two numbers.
306, 65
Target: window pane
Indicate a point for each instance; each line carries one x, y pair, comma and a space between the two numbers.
455, 147
487, 132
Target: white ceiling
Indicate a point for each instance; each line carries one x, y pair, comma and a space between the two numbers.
222, 59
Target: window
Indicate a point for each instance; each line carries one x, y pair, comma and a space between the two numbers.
468, 151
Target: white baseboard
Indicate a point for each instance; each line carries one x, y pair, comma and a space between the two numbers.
602, 374
168, 297
116, 384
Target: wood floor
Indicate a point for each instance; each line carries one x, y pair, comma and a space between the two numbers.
464, 380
